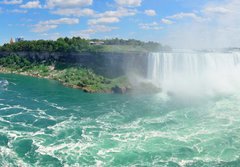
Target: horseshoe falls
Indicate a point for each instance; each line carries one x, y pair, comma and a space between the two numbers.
195, 73
43, 123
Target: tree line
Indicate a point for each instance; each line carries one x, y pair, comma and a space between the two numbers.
74, 44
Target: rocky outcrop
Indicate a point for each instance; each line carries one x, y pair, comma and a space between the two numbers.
120, 90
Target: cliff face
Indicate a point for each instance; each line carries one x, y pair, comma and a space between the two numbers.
106, 64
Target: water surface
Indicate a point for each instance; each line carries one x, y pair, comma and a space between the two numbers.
43, 123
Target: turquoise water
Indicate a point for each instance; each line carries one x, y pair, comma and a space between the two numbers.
45, 124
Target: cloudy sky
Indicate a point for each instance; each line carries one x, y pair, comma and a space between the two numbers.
179, 23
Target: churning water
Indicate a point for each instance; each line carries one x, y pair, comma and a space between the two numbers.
43, 123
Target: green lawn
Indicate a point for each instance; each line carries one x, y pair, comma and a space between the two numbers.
122, 48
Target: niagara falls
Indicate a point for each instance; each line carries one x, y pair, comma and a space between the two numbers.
195, 72
120, 83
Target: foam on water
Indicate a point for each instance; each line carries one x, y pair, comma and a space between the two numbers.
3, 85
38, 129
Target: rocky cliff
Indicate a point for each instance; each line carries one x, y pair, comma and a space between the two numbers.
107, 64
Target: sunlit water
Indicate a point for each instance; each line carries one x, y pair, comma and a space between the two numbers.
45, 124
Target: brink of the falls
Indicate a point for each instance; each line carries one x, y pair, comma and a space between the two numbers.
195, 72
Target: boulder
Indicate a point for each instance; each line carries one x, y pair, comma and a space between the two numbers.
120, 90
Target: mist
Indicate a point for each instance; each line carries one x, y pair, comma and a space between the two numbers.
195, 73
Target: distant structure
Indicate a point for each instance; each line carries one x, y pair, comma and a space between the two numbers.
11, 41
96, 43
19, 39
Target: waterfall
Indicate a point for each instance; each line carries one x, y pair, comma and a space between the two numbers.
195, 71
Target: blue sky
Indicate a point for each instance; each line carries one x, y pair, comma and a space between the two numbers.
196, 22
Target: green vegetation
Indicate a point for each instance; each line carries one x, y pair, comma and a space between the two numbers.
77, 44
132, 45
15, 62
76, 77
69, 74
123, 49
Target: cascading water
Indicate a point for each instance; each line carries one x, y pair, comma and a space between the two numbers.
44, 124
188, 72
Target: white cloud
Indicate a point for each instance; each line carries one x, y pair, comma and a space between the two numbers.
68, 3
109, 17
183, 15
216, 10
44, 26
129, 3
103, 20
18, 11
74, 12
93, 30
99, 28
105, 17
219, 29
31, 4
11, 2
167, 21
150, 26
150, 12
120, 12
61, 21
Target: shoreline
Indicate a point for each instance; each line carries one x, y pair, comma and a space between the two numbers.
87, 89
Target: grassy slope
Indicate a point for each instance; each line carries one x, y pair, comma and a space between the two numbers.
122, 48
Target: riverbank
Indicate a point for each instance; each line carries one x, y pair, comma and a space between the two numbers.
74, 77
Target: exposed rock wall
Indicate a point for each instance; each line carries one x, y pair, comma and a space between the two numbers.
107, 64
